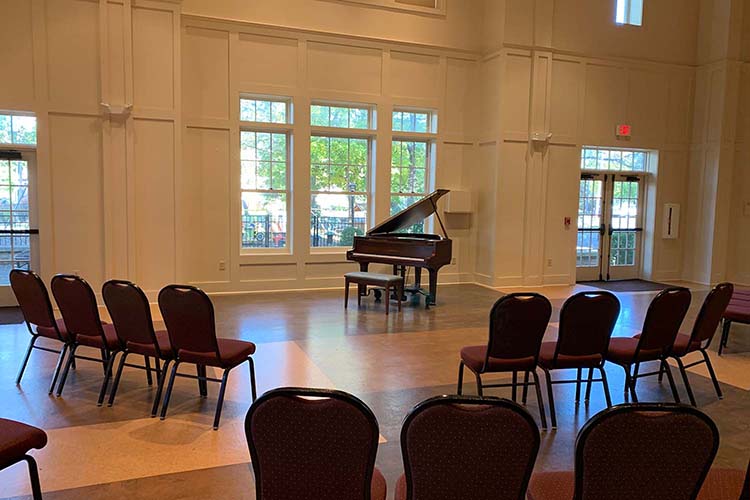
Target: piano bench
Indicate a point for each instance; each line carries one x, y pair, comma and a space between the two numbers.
363, 279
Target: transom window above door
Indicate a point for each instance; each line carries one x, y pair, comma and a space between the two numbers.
614, 160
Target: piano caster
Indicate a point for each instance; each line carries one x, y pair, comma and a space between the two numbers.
378, 294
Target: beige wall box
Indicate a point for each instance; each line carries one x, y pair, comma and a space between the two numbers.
458, 202
671, 224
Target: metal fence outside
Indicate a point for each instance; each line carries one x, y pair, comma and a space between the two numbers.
269, 231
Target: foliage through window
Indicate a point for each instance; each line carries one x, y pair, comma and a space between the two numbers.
409, 160
264, 158
618, 160
629, 12
339, 170
339, 116
15, 250
17, 129
411, 121
264, 110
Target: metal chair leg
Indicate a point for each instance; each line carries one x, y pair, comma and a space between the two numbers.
168, 394
605, 385
58, 367
551, 399
661, 373
26, 358
672, 385
634, 379
36, 488
107, 375
147, 363
460, 386
725, 327
712, 373
253, 390
525, 387
515, 384
579, 373
71, 360
160, 388
588, 386
116, 382
202, 384
220, 402
685, 380
479, 385
540, 400
629, 385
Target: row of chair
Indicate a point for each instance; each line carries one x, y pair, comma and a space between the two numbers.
518, 322
322, 444
190, 335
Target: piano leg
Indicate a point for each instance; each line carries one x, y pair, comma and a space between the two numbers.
433, 288
362, 289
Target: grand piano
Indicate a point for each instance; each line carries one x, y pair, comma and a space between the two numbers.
384, 245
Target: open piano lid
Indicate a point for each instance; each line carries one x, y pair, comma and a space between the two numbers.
412, 214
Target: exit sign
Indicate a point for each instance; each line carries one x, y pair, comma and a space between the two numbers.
623, 131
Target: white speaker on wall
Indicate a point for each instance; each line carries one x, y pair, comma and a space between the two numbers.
670, 229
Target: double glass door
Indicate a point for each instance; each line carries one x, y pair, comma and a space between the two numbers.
610, 220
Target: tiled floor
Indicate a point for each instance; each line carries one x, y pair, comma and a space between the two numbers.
307, 339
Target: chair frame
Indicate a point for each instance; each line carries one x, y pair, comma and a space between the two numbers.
683, 367
161, 370
579, 371
591, 424
36, 488
35, 336
313, 393
107, 356
467, 400
202, 376
514, 384
631, 379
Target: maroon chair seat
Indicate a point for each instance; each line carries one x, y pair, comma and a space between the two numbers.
467, 447
189, 316
586, 323
313, 444
518, 322
16, 440
130, 311
704, 329
231, 353
738, 311
33, 300
635, 451
77, 303
660, 328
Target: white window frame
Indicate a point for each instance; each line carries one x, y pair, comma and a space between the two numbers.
347, 133
272, 128
430, 138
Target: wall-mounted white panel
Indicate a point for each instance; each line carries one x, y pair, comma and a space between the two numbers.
73, 54
269, 272
336, 271
516, 91
564, 101
153, 58
510, 206
519, 22
16, 54
700, 109
266, 59
205, 68
489, 111
461, 115
482, 183
347, 68
154, 203
115, 56
647, 105
678, 110
716, 97
206, 181
563, 179
415, 75
604, 105
76, 170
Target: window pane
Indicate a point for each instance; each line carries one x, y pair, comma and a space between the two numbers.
339, 116
5, 132
264, 220
336, 218
343, 168
409, 167
264, 110
411, 121
263, 160
24, 129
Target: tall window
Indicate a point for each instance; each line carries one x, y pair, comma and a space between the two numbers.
265, 169
410, 159
340, 157
17, 129
629, 12
15, 249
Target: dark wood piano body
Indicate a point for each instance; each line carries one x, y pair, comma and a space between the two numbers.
383, 245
